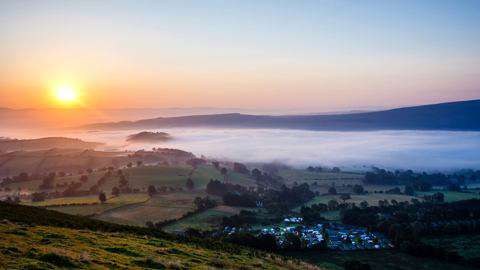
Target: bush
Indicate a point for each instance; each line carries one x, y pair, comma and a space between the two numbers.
149, 263
356, 265
122, 250
56, 259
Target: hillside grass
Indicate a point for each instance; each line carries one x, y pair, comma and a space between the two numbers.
46, 247
37, 238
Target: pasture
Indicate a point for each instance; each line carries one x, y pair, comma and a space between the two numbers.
452, 196
89, 205
322, 178
158, 208
142, 177
206, 220
370, 198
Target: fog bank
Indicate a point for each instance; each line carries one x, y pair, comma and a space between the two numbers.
419, 150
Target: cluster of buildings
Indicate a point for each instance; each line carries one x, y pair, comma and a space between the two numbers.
325, 235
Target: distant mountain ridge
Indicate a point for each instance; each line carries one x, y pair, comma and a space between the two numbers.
461, 115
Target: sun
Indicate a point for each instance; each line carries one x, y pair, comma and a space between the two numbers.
66, 94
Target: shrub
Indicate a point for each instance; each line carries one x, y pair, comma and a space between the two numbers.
56, 259
122, 250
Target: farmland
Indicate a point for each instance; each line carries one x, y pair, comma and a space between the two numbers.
142, 177
323, 178
452, 196
159, 208
95, 208
207, 220
370, 198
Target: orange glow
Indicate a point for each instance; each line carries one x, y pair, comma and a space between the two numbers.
65, 95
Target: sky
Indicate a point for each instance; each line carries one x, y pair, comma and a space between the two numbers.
314, 55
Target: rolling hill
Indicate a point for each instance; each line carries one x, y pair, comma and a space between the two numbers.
35, 238
461, 115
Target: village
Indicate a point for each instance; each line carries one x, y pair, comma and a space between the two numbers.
326, 235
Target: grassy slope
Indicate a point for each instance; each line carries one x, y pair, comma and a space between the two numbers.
64, 241
45, 247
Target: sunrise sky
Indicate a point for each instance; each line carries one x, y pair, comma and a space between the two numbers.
318, 55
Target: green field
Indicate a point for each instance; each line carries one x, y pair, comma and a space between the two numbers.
370, 198
46, 247
452, 196
323, 178
142, 177
207, 220
159, 208
97, 209
467, 246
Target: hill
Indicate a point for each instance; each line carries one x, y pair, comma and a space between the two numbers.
151, 137
462, 115
60, 241
7, 145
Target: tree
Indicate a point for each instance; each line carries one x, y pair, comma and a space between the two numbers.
345, 197
240, 168
204, 203
115, 191
38, 196
84, 178
257, 174
364, 204
438, 197
409, 191
224, 172
356, 265
358, 189
190, 185
102, 197
139, 163
151, 190
332, 191
332, 204
292, 242
123, 184
195, 162
48, 181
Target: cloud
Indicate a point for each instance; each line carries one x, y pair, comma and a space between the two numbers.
420, 150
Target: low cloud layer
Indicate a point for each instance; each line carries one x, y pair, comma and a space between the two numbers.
430, 150
419, 150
